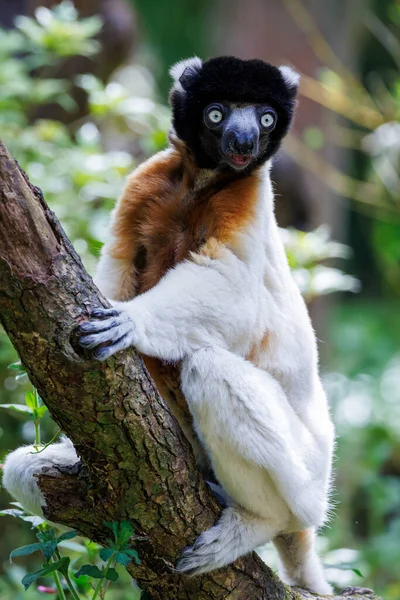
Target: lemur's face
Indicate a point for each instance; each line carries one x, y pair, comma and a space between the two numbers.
232, 113
237, 134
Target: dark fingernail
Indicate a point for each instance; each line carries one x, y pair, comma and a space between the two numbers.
101, 354
104, 312
85, 342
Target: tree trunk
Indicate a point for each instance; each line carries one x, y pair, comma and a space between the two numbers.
136, 463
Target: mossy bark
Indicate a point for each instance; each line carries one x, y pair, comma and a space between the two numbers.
136, 463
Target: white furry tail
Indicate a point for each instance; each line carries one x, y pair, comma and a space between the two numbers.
22, 464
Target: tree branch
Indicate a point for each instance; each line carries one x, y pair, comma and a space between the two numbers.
137, 465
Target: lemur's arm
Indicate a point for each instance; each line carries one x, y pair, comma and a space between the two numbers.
209, 299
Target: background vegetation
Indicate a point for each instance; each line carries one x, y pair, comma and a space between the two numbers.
78, 134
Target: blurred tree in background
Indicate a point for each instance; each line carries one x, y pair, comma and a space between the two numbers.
82, 101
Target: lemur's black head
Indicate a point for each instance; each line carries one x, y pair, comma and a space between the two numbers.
232, 113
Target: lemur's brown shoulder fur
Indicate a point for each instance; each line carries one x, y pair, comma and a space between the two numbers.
163, 216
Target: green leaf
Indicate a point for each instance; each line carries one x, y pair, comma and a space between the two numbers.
48, 549
133, 554
68, 535
122, 558
358, 572
30, 400
47, 535
125, 533
111, 575
60, 565
90, 570
21, 514
12, 512
105, 553
20, 408
20, 376
25, 550
33, 519
113, 525
39, 411
17, 366
344, 567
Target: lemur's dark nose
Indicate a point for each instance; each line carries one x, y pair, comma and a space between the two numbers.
244, 143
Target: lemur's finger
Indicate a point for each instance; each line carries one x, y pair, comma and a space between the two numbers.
104, 313
194, 563
97, 325
106, 351
111, 334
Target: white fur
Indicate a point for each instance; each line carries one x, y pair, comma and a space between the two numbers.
21, 466
194, 64
265, 425
291, 77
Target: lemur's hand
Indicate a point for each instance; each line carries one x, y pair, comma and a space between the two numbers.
109, 330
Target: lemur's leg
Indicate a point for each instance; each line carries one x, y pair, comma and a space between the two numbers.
236, 533
241, 413
22, 464
300, 564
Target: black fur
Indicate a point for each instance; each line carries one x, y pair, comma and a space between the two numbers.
227, 78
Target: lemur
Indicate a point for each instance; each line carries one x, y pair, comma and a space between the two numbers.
200, 285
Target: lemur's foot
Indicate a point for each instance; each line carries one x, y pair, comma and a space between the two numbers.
210, 551
218, 546
111, 329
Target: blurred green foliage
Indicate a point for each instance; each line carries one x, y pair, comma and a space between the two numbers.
369, 103
184, 21
364, 388
70, 162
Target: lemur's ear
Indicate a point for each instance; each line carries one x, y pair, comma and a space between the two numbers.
291, 78
185, 71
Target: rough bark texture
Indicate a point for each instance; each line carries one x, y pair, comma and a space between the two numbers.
136, 463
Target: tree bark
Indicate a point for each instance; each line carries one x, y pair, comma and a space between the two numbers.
136, 463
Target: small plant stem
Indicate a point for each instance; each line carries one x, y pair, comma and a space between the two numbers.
55, 436
71, 587
98, 586
37, 432
57, 581
68, 579
36, 422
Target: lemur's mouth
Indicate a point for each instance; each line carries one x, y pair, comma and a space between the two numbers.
239, 160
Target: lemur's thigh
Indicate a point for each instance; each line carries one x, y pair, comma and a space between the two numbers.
300, 564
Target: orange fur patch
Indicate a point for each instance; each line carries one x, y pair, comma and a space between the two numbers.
258, 349
161, 218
